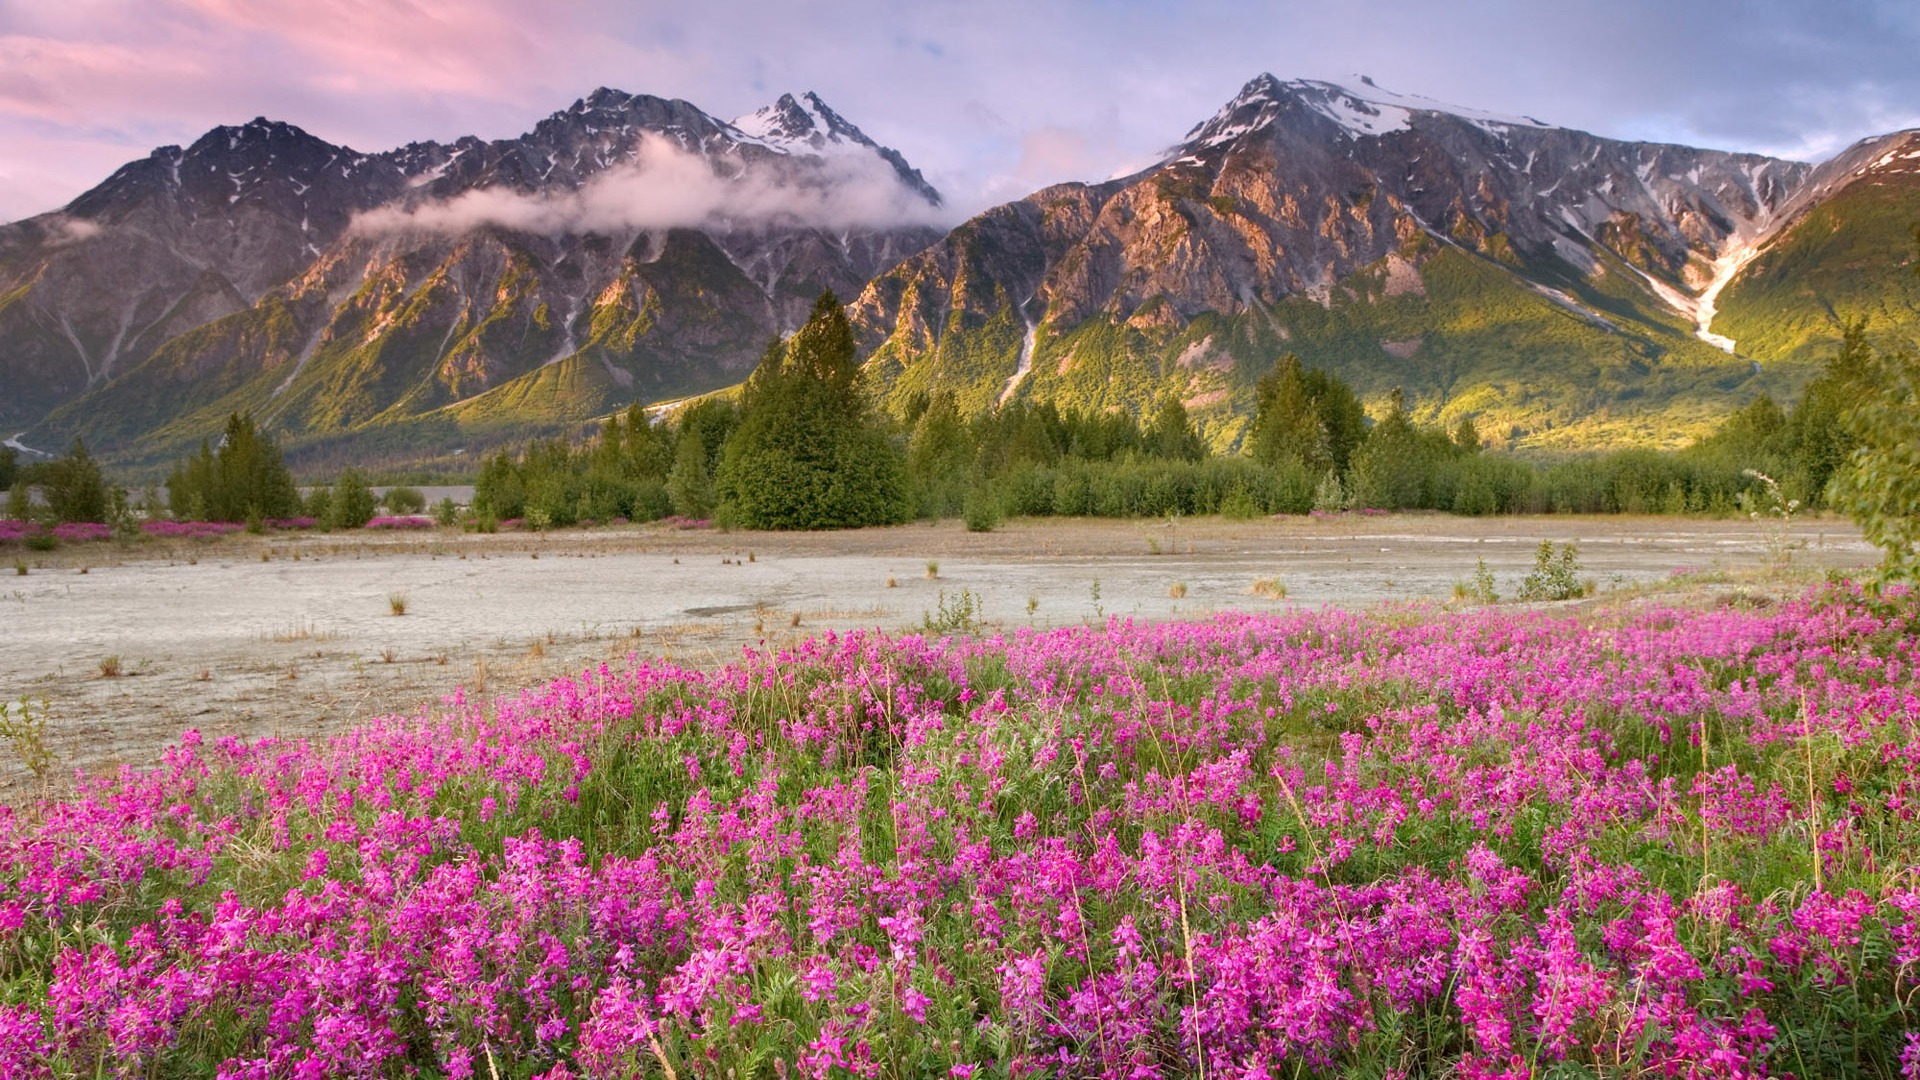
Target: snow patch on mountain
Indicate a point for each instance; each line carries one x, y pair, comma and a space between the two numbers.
1025, 363
1361, 108
1726, 266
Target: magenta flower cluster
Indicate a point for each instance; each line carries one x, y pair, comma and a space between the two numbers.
172, 530
404, 521
71, 531
65, 532
1665, 842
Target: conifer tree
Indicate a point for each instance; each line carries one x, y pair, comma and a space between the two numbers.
74, 488
938, 455
351, 504
245, 479
690, 485
1466, 437
19, 501
1818, 439
808, 453
1388, 471
1880, 485
1307, 416
1172, 436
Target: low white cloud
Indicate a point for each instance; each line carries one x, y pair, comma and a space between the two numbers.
668, 187
63, 231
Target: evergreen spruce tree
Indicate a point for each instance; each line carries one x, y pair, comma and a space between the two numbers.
808, 453
1307, 416
1171, 434
690, 485
1388, 470
351, 503
1879, 487
246, 480
20, 501
647, 449
190, 485
1466, 437
938, 456
74, 488
250, 477
1817, 438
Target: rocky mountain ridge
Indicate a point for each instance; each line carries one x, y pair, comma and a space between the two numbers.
330, 289
1564, 290
1561, 288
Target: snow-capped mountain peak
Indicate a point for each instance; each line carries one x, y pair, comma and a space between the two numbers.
804, 122
807, 126
1359, 106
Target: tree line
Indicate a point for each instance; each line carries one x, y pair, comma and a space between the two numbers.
803, 446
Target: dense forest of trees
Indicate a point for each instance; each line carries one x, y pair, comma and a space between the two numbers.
800, 438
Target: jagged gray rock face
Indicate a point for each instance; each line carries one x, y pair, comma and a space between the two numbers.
1551, 285
243, 271
166, 244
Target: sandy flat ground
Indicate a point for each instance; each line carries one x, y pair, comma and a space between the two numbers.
294, 635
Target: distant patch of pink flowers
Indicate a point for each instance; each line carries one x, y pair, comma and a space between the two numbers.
72, 531
65, 532
1498, 843
403, 521
173, 530
677, 521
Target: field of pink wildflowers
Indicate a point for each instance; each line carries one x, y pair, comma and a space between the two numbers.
1649, 841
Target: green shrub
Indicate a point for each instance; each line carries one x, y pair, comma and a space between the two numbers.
404, 500
958, 615
74, 488
318, 505
1481, 589
1555, 576
980, 510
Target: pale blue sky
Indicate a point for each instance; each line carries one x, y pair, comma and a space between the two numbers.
991, 99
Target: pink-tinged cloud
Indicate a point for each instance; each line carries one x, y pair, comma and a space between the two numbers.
37, 171
61, 81
443, 46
